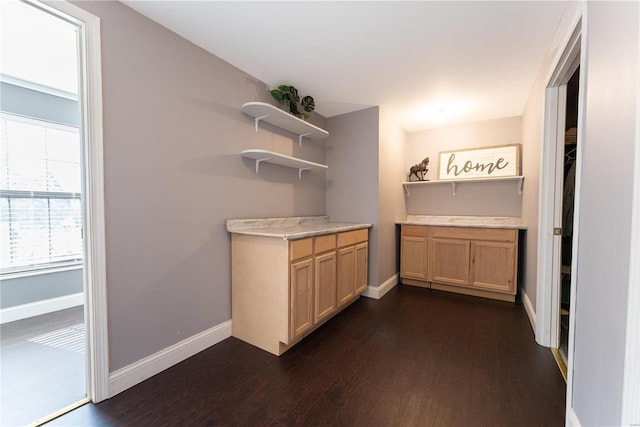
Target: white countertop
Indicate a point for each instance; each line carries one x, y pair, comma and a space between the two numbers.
291, 228
466, 221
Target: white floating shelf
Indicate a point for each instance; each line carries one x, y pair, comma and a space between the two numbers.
280, 159
282, 119
454, 183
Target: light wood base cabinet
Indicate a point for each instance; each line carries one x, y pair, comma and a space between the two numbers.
282, 290
494, 266
414, 250
325, 285
301, 297
362, 267
352, 266
470, 260
450, 261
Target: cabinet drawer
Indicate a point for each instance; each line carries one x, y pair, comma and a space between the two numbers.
352, 237
474, 233
300, 248
415, 230
325, 243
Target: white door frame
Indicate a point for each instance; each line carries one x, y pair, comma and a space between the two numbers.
631, 384
550, 204
550, 197
90, 100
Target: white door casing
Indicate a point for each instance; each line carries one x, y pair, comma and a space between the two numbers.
90, 99
573, 53
631, 381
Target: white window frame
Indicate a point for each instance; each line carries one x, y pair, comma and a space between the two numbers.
42, 267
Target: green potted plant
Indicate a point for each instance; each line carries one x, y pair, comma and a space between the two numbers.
290, 101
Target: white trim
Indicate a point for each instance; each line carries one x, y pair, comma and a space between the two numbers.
15, 81
547, 293
41, 271
90, 65
545, 226
129, 376
380, 291
95, 255
557, 209
24, 311
528, 307
572, 419
582, 102
631, 378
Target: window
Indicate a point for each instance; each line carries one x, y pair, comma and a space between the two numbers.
40, 184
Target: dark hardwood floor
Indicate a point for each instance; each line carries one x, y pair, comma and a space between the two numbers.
42, 366
416, 357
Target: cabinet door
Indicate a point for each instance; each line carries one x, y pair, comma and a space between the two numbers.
413, 255
325, 285
346, 274
301, 297
493, 266
362, 267
450, 261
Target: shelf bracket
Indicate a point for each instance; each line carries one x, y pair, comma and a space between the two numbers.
300, 172
302, 136
520, 186
258, 161
257, 120
453, 189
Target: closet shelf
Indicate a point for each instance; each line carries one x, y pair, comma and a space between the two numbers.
282, 119
280, 159
454, 183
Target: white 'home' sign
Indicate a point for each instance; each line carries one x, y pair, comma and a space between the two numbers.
485, 162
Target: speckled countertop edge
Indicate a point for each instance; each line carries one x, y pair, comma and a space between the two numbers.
466, 221
291, 228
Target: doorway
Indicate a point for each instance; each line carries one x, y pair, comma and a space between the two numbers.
43, 348
561, 115
52, 211
569, 158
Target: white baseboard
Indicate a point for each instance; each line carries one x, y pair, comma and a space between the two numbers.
529, 309
377, 293
24, 311
143, 369
572, 419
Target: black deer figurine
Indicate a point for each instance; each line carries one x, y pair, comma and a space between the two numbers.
419, 170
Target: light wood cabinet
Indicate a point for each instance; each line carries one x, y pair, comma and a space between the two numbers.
493, 266
450, 261
362, 267
282, 290
346, 274
471, 260
325, 285
414, 248
352, 265
301, 297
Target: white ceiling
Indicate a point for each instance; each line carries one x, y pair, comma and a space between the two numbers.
429, 63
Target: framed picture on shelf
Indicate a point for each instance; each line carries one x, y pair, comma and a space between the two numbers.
483, 162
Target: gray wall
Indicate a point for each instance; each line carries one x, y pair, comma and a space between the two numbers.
605, 211
38, 287
484, 199
365, 155
173, 132
352, 177
391, 204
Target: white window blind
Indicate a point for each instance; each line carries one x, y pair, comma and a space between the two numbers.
40, 184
